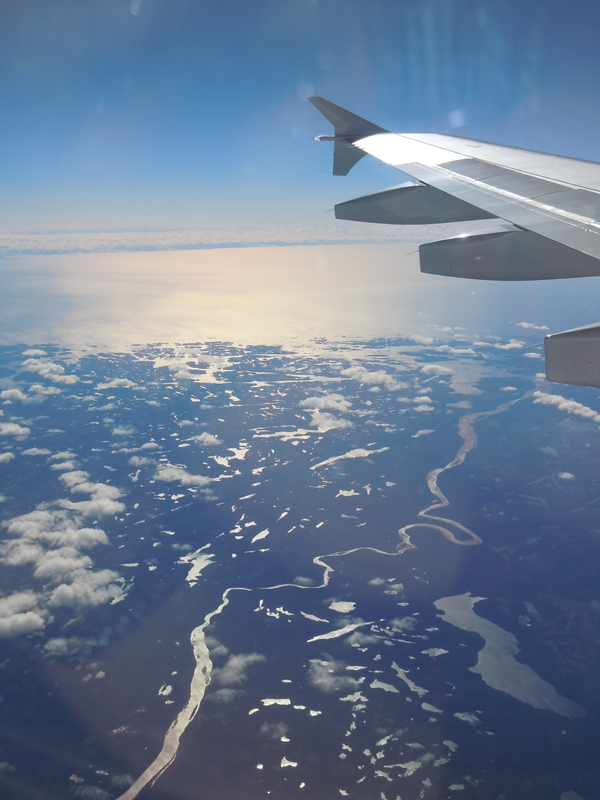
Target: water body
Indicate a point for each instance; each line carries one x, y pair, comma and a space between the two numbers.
467, 432
496, 662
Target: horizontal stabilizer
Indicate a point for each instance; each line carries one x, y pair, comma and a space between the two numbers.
345, 124
409, 204
574, 356
506, 254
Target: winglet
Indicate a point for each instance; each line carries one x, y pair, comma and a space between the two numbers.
345, 124
347, 129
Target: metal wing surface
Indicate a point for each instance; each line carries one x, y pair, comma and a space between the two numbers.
543, 212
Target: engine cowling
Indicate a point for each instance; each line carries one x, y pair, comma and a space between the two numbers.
506, 254
409, 204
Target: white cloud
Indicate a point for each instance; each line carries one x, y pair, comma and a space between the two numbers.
205, 439
423, 408
20, 613
274, 730
63, 465
5, 457
36, 451
37, 388
215, 647
361, 639
137, 461
532, 326
222, 695
234, 671
62, 456
422, 433
168, 473
513, 344
435, 369
331, 402
320, 408
509, 388
34, 352
331, 676
570, 406
48, 369
403, 624
532, 355
67, 646
566, 476
324, 422
123, 430
300, 580
87, 589
104, 498
460, 404
362, 375
12, 429
88, 792
51, 540
13, 394
422, 339
58, 563
117, 383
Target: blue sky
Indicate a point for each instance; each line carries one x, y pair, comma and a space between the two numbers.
166, 109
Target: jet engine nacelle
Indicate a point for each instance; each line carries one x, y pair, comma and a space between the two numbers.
505, 254
409, 204
574, 356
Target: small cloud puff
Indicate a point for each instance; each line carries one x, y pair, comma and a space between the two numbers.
513, 344
104, 498
566, 476
532, 326
13, 394
332, 402
508, 389
20, 613
403, 624
331, 676
320, 408
435, 369
50, 370
61, 646
123, 430
327, 422
362, 375
117, 383
137, 461
37, 388
300, 580
168, 473
205, 439
34, 352
6, 457
12, 429
235, 669
36, 451
86, 791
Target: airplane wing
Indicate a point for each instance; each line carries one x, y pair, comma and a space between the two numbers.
543, 213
